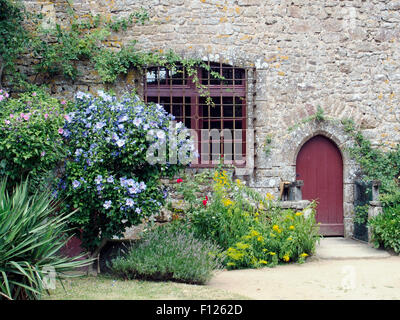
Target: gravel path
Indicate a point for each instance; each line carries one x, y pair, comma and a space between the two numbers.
318, 278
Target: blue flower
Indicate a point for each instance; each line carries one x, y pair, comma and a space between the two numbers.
137, 122
76, 184
122, 118
120, 142
100, 125
107, 204
110, 179
133, 190
130, 202
98, 179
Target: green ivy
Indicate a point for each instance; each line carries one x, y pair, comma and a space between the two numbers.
58, 49
13, 36
376, 164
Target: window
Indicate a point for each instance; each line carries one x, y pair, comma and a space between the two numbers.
220, 127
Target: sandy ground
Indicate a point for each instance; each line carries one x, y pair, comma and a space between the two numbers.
317, 279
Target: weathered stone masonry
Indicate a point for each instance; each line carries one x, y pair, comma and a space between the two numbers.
343, 56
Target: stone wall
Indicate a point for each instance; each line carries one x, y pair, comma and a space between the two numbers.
343, 56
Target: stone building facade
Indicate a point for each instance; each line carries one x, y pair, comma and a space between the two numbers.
342, 56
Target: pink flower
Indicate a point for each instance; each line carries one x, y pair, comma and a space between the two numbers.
46, 115
34, 94
42, 153
63, 102
11, 116
26, 116
179, 180
1, 98
60, 131
7, 121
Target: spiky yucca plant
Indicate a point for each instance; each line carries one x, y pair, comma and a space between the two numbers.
31, 235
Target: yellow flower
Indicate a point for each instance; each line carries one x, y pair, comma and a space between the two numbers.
254, 233
275, 227
272, 253
269, 196
234, 254
241, 245
231, 264
290, 238
260, 239
227, 202
263, 262
291, 227
289, 217
256, 214
286, 258
238, 182
299, 213
303, 255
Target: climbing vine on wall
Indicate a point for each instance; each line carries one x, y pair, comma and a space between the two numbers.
376, 164
13, 36
58, 48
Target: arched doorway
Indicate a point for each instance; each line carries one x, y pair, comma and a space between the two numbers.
320, 165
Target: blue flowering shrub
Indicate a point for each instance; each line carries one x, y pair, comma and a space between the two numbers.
119, 149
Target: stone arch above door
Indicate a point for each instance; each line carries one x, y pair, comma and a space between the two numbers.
293, 143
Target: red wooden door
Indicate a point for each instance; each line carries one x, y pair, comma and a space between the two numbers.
320, 166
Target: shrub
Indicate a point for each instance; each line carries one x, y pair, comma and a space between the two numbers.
385, 229
287, 236
251, 228
30, 239
170, 253
110, 176
30, 141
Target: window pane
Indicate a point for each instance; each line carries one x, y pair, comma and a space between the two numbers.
222, 118
178, 76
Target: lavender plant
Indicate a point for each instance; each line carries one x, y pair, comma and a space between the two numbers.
170, 253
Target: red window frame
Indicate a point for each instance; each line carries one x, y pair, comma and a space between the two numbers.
172, 91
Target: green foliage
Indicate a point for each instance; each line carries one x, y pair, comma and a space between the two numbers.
267, 144
13, 36
31, 236
59, 48
169, 253
361, 214
251, 228
377, 165
386, 229
30, 143
318, 116
278, 238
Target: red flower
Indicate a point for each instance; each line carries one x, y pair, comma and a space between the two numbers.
205, 201
179, 180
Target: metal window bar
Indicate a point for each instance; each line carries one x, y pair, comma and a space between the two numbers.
231, 87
